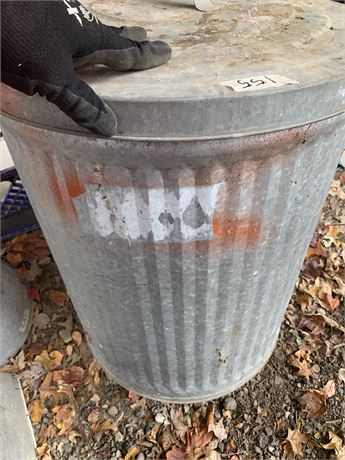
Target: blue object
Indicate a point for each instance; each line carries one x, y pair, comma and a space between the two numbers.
17, 215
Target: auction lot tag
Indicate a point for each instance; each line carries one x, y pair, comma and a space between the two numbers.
258, 83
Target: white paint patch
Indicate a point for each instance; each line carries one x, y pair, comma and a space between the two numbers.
258, 83
155, 214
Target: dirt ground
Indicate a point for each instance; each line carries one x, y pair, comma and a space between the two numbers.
294, 408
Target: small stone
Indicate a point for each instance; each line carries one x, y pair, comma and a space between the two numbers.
112, 411
270, 448
160, 418
263, 440
118, 436
268, 431
44, 262
229, 403
118, 454
141, 456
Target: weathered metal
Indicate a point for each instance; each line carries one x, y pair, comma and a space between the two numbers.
180, 239
15, 313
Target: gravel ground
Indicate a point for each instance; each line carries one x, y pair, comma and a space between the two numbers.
294, 407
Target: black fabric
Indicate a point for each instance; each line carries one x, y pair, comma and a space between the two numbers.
41, 40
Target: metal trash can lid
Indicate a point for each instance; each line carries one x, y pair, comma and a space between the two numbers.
245, 67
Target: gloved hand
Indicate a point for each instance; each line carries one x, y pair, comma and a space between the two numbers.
39, 41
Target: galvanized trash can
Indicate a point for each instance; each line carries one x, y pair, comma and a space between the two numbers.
180, 238
16, 311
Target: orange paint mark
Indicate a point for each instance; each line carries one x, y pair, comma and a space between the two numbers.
245, 230
64, 191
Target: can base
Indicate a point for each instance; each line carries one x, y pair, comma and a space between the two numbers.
190, 400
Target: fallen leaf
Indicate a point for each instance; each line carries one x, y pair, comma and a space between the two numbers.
42, 450
132, 453
202, 438
108, 425
64, 418
335, 444
58, 395
66, 332
33, 294
332, 302
50, 361
69, 350
341, 374
93, 416
35, 411
280, 423
314, 402
312, 323
218, 430
211, 454
14, 258
333, 323
317, 250
34, 272
294, 441
58, 297
73, 375
33, 374
176, 453
262, 411
18, 247
94, 372
77, 338
177, 421
41, 321
329, 389
133, 396
300, 360
17, 364
73, 435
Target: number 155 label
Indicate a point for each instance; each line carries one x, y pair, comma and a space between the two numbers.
258, 83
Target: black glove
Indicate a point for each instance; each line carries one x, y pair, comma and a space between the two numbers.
39, 41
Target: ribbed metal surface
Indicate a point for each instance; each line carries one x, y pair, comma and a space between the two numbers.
16, 311
180, 257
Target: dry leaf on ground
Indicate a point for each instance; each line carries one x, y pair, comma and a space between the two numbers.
77, 338
329, 389
50, 361
177, 420
218, 430
35, 411
314, 402
312, 323
132, 453
294, 441
301, 361
94, 372
33, 294
341, 374
176, 453
17, 364
64, 418
108, 425
335, 444
58, 297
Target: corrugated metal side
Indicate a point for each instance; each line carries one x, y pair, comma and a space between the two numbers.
185, 303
